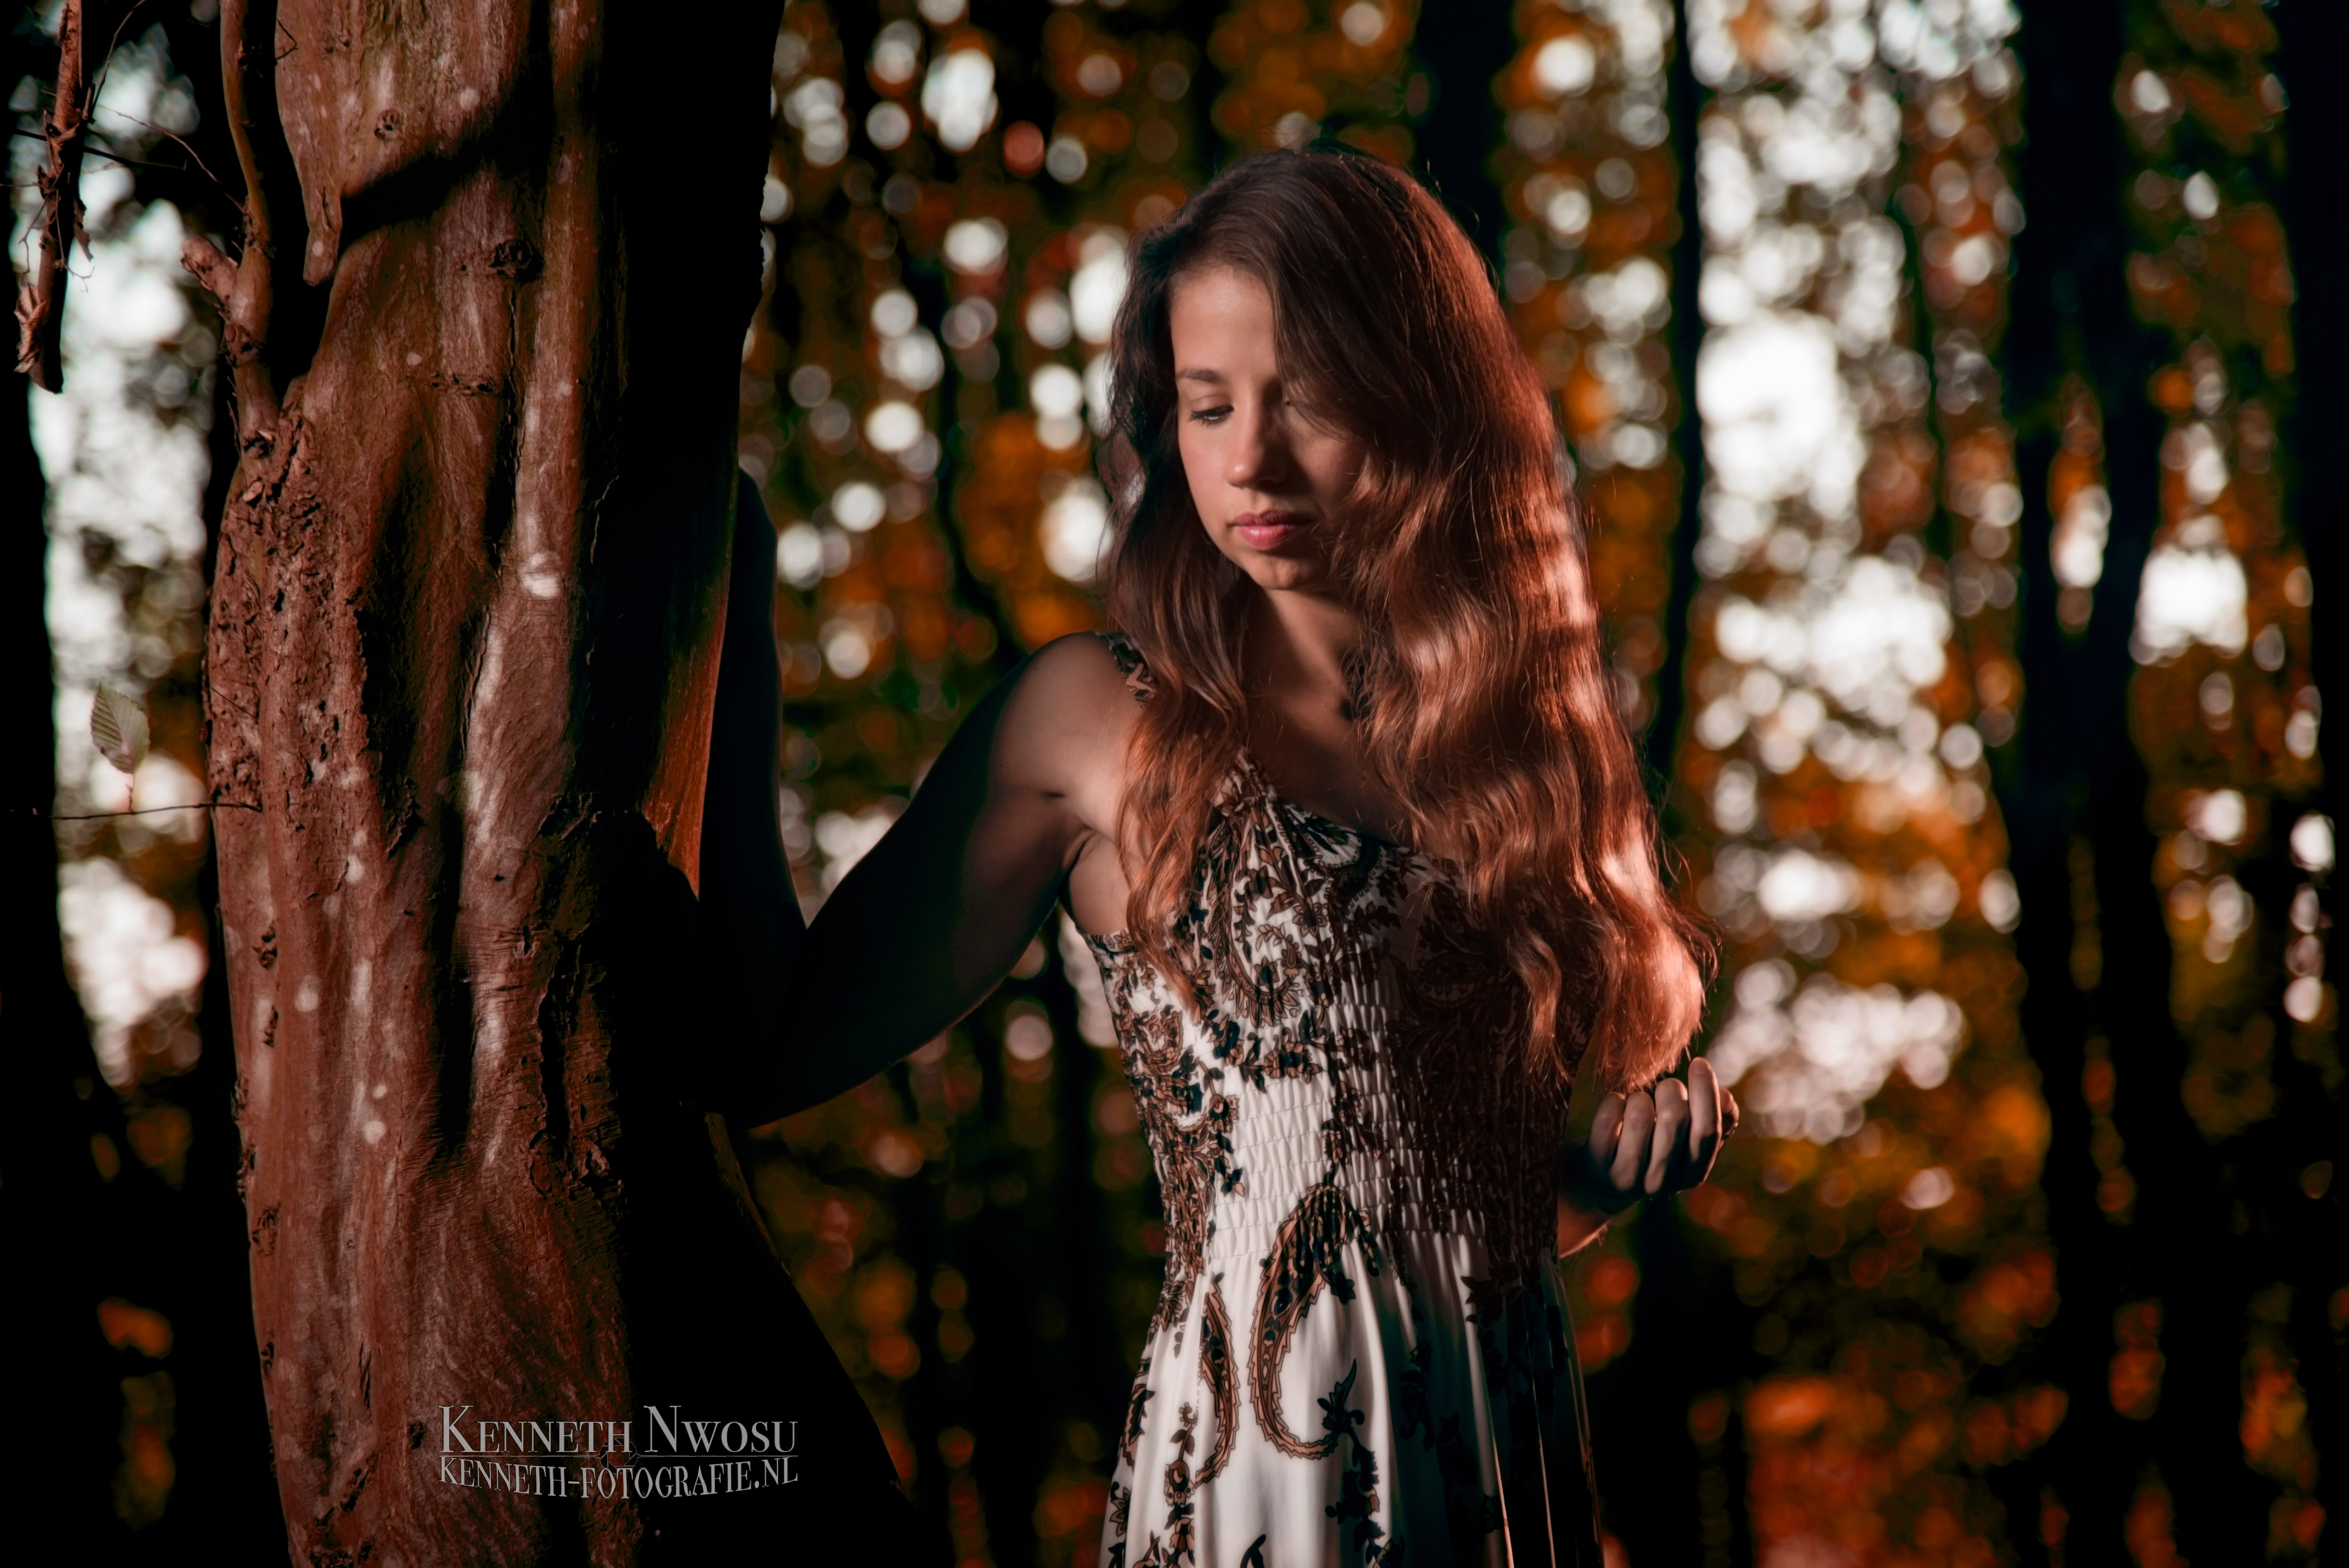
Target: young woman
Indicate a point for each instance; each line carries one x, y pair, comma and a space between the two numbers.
1362, 852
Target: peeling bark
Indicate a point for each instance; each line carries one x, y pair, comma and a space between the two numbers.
462, 656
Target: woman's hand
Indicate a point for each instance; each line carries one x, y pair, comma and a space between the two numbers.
1646, 1144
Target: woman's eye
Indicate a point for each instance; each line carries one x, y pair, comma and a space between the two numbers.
1210, 416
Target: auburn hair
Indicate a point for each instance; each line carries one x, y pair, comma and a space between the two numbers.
1484, 696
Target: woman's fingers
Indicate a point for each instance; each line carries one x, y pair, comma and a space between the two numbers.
1631, 1153
1668, 1151
1657, 1142
1606, 1127
1689, 1128
1589, 1175
1704, 1120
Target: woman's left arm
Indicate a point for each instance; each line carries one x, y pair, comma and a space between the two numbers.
1642, 1145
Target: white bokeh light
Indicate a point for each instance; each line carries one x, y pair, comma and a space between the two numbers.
1098, 287
958, 98
1819, 1053
125, 957
2187, 596
1074, 529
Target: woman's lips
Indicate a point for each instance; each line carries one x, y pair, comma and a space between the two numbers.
1269, 529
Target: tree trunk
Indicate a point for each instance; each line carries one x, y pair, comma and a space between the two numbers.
53, 1207
464, 639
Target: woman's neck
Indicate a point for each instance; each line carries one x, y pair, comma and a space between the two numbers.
1301, 726
1297, 650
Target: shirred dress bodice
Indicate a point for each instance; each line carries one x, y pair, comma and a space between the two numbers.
1361, 1353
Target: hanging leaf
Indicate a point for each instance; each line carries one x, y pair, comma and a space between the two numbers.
118, 725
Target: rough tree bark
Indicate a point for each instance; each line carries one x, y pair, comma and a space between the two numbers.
463, 647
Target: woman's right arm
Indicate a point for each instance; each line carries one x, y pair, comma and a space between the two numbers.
934, 917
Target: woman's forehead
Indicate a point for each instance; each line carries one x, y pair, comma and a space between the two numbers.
1221, 320
1218, 290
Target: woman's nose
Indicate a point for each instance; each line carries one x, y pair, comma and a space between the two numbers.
1258, 456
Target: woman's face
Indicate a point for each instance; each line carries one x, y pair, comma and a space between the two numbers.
1268, 476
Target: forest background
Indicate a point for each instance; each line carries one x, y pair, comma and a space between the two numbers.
1949, 382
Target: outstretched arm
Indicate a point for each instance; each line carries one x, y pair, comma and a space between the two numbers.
935, 914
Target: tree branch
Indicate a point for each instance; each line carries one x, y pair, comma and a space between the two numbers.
249, 81
195, 164
210, 268
40, 306
143, 810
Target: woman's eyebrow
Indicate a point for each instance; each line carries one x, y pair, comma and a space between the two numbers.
1200, 375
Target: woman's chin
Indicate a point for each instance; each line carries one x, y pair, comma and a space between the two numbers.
1285, 574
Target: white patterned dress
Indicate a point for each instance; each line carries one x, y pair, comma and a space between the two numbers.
1362, 1354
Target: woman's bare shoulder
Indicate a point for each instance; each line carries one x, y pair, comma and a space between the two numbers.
1069, 714
1084, 670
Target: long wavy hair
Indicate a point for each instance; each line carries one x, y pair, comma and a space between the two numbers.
1484, 698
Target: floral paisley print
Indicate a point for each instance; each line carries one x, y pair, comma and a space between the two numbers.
1362, 1355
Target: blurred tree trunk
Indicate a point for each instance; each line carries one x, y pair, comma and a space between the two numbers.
52, 1102
464, 630
2316, 197
95, 1222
